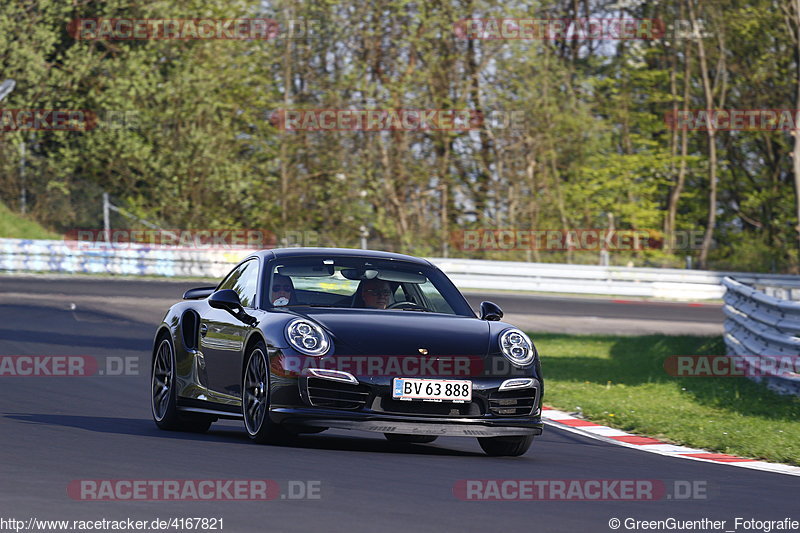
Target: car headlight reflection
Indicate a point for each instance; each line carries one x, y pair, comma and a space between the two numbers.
517, 347
307, 338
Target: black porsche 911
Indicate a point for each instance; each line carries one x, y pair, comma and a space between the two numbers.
300, 340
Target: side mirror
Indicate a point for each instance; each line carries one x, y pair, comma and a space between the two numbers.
491, 311
228, 300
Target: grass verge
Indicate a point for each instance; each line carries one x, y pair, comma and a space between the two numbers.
621, 382
14, 226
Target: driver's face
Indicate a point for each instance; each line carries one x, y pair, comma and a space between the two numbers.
281, 288
376, 293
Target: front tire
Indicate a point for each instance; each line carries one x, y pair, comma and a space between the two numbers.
255, 399
505, 446
164, 394
409, 439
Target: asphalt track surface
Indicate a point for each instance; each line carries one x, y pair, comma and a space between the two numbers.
54, 430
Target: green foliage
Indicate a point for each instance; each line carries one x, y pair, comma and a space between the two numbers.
185, 138
16, 226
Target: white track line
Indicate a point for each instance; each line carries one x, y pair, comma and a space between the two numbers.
562, 420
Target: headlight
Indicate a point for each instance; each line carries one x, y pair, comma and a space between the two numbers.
307, 337
517, 347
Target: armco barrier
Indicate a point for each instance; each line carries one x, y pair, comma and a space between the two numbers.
21, 255
760, 326
587, 279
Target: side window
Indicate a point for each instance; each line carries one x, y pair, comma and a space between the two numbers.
232, 278
247, 284
435, 299
244, 280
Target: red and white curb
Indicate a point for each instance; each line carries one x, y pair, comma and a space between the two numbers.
572, 424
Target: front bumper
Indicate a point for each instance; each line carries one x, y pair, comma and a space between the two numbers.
410, 425
366, 403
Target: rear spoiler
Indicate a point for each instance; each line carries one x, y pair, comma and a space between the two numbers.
198, 293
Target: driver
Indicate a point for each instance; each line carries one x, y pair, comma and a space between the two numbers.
282, 290
375, 293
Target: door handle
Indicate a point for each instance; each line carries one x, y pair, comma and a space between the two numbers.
203, 330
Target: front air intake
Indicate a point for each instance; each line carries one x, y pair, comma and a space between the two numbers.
513, 402
336, 395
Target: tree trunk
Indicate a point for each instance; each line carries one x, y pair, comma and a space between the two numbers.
796, 150
677, 190
675, 194
284, 153
712, 145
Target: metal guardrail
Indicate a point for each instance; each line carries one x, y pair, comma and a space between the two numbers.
782, 293
608, 280
760, 328
25, 255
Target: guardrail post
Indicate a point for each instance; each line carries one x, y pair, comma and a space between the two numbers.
106, 217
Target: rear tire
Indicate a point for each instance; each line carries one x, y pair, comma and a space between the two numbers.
164, 394
505, 446
409, 439
255, 399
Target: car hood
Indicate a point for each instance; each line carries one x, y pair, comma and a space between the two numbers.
372, 332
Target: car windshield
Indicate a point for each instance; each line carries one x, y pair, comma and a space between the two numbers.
351, 282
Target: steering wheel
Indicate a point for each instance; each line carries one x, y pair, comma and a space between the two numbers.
405, 305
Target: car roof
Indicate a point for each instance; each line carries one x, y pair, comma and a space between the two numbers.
286, 253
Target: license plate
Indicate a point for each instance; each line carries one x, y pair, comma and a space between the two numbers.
433, 390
